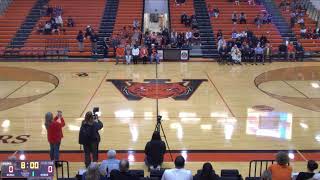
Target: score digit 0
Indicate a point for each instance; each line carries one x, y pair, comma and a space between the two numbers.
10, 169
50, 169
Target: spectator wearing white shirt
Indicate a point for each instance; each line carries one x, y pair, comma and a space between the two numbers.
189, 37
135, 54
178, 173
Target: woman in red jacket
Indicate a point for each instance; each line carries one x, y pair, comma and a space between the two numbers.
54, 129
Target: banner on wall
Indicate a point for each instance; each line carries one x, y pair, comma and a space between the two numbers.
184, 55
160, 54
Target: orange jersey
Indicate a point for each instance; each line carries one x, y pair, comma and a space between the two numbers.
120, 51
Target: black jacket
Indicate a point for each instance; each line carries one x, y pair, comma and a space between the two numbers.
155, 151
199, 177
117, 175
92, 135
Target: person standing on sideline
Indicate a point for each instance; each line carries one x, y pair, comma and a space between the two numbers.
80, 39
54, 133
94, 43
89, 137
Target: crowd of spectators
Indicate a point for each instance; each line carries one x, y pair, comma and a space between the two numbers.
297, 14
115, 169
55, 24
263, 18
246, 47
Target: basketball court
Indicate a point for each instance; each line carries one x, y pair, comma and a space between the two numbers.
210, 112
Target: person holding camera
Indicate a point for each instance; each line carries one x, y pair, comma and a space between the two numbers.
154, 151
54, 128
89, 137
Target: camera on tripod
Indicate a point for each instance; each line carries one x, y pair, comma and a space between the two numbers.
159, 119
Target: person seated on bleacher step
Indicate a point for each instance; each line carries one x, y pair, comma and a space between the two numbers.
92, 173
281, 170
123, 172
311, 167
109, 164
154, 151
207, 173
179, 172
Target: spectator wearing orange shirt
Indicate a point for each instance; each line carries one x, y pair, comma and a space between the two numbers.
291, 51
120, 54
281, 170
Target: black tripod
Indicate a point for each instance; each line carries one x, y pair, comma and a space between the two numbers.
158, 128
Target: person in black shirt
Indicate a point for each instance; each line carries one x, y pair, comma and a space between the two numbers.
312, 166
124, 173
299, 52
283, 51
207, 173
80, 38
94, 41
154, 151
89, 137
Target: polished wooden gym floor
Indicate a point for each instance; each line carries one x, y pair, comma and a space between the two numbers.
210, 112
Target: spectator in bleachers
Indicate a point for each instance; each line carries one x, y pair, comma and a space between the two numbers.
194, 22
123, 172
47, 28
267, 53
207, 173
54, 134
236, 55
252, 2
283, 50
89, 31
135, 24
94, 43
120, 51
234, 34
178, 172
70, 22
243, 18
263, 40
105, 47
291, 51
92, 173
183, 18
303, 32
300, 21
59, 21
128, 53
221, 43
144, 54
40, 28
196, 37
237, 2
216, 12
299, 52
258, 20
89, 137
80, 39
135, 54
219, 34
234, 17
311, 167
283, 5
247, 52
189, 37
224, 54
258, 51
153, 53
115, 42
210, 10
154, 151
109, 164
281, 170
316, 33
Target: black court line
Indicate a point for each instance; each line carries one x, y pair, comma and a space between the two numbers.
220, 94
21, 86
295, 89
95, 92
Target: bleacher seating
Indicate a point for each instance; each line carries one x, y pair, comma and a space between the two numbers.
128, 11
177, 11
308, 44
12, 19
83, 13
225, 24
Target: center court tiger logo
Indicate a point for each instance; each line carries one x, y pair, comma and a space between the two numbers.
157, 88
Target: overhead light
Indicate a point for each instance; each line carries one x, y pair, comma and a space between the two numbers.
304, 125
5, 123
315, 85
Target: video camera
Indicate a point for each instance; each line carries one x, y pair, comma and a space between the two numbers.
96, 113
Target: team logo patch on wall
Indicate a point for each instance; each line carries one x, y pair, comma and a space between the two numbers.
157, 88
